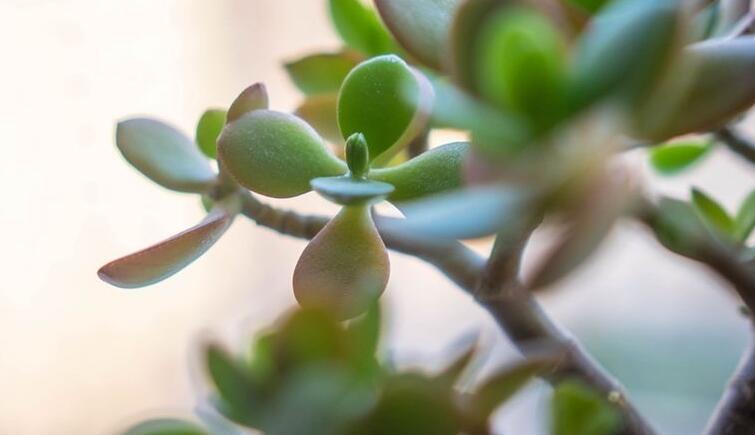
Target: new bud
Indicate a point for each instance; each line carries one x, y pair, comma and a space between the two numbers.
357, 155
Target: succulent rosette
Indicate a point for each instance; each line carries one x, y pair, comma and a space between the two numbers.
383, 104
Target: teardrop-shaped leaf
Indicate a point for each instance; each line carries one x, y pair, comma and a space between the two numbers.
434, 171
208, 129
168, 257
321, 113
712, 213
707, 104
165, 155
345, 267
166, 426
521, 65
464, 40
672, 158
467, 214
624, 49
252, 98
420, 26
360, 28
577, 409
387, 101
275, 154
322, 73
745, 220
348, 190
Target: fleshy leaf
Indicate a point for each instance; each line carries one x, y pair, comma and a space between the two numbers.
208, 129
345, 267
275, 154
712, 213
591, 6
672, 158
239, 393
320, 112
165, 155
466, 214
166, 426
434, 171
168, 257
679, 228
347, 190
360, 28
322, 73
420, 26
464, 40
521, 65
579, 410
706, 104
387, 101
745, 220
252, 98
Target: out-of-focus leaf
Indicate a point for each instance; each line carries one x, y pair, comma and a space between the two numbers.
705, 103
730, 12
360, 28
166, 426
434, 171
160, 261
321, 113
704, 22
411, 404
275, 154
521, 65
420, 26
460, 363
744, 223
678, 227
363, 335
252, 98
624, 49
672, 158
240, 395
504, 384
464, 40
208, 129
322, 73
310, 336
579, 410
345, 267
387, 101
165, 155
591, 6
348, 190
467, 214
712, 213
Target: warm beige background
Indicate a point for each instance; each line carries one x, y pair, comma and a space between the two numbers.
80, 357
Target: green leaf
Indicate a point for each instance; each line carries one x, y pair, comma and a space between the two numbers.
164, 155
321, 113
712, 213
252, 98
420, 26
387, 101
275, 154
241, 396
465, 40
348, 190
591, 6
466, 214
521, 65
166, 426
208, 129
322, 73
672, 158
579, 410
745, 220
363, 335
678, 227
310, 336
706, 105
345, 267
160, 261
360, 28
434, 171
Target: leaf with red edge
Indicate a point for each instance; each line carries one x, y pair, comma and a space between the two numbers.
252, 98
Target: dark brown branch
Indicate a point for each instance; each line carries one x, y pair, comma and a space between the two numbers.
735, 413
737, 143
419, 144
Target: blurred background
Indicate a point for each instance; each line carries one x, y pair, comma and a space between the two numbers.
80, 357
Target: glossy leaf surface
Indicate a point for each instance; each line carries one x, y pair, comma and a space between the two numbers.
322, 73
712, 213
384, 99
252, 98
208, 129
360, 28
168, 257
345, 267
275, 154
675, 157
164, 155
347, 190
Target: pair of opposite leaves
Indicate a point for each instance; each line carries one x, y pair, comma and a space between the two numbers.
383, 104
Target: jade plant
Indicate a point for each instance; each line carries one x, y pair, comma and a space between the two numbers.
551, 96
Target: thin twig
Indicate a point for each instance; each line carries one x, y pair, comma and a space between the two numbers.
735, 413
737, 143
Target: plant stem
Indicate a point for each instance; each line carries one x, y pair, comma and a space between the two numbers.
735, 413
737, 143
